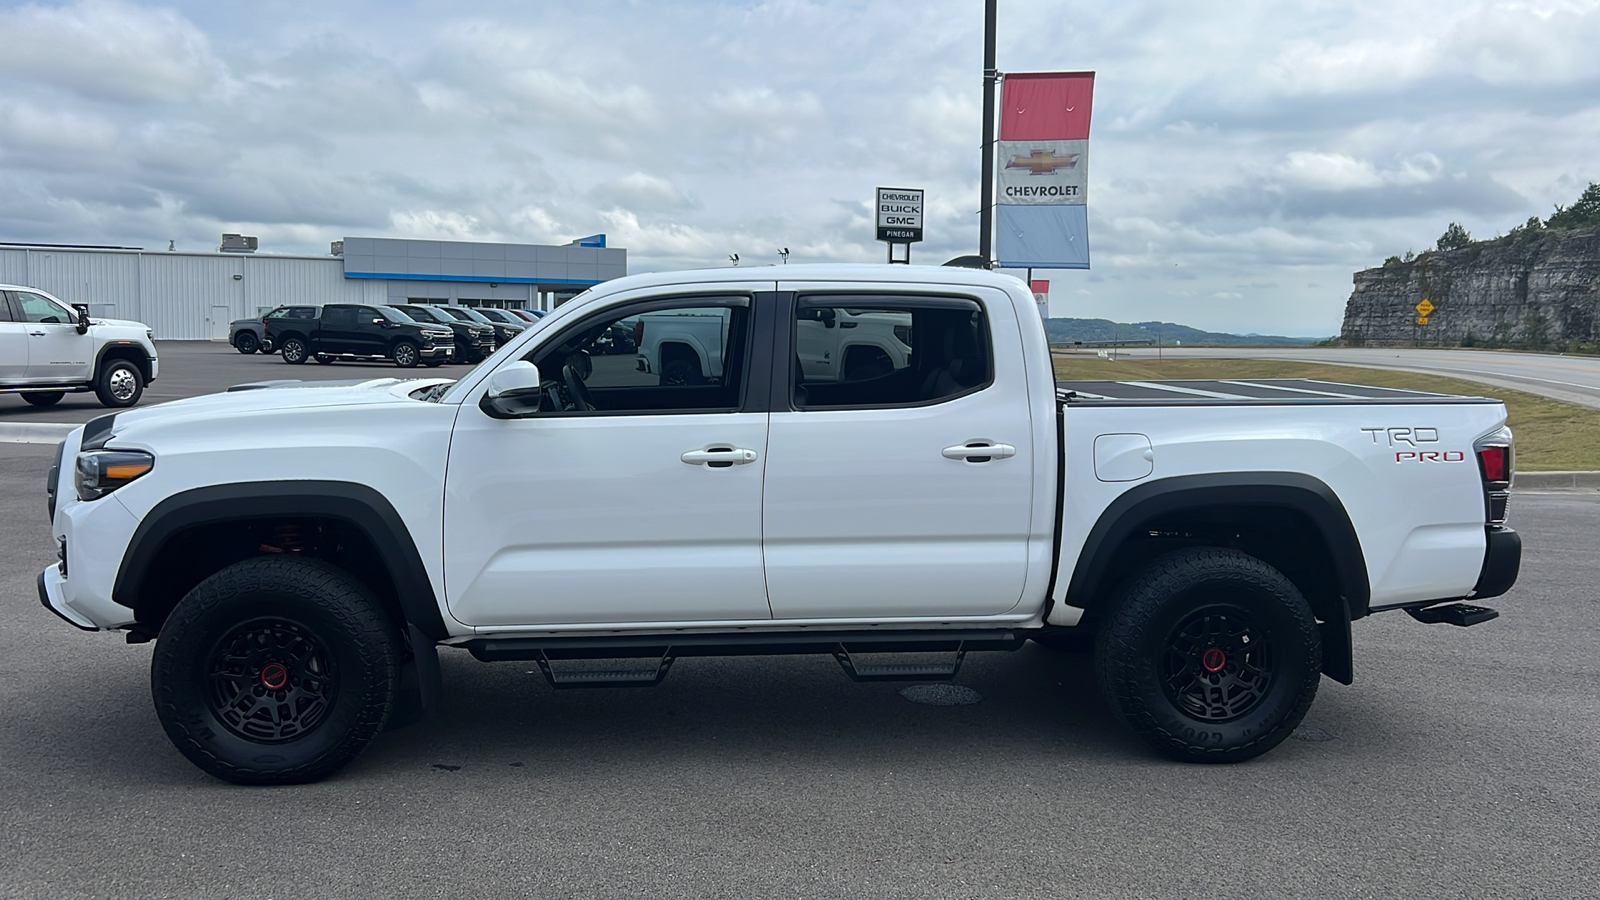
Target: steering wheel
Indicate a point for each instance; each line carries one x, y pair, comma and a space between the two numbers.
577, 391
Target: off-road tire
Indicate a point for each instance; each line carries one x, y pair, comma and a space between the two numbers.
314, 604
43, 398
294, 351
1171, 616
120, 384
246, 343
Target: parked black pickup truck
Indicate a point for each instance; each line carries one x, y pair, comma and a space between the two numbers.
350, 331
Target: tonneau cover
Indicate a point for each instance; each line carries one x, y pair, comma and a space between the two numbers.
1270, 391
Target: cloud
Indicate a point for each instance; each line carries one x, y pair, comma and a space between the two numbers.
1241, 152
109, 51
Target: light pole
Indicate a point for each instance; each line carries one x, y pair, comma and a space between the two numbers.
990, 76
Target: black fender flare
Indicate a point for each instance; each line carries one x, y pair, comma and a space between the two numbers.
357, 505
1301, 493
132, 351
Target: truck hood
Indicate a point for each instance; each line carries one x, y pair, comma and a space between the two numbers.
119, 323
266, 397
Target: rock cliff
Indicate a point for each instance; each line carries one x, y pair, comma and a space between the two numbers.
1538, 289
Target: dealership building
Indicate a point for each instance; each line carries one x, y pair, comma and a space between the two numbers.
193, 296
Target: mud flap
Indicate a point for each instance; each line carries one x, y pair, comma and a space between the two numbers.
421, 691
1338, 656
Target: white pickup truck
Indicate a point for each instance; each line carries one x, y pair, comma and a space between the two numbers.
49, 348
301, 567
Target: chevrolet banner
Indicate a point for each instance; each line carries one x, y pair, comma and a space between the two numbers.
1042, 161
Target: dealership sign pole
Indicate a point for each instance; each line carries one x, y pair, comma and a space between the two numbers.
899, 219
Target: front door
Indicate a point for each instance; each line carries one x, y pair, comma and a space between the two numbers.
57, 353
902, 488
628, 499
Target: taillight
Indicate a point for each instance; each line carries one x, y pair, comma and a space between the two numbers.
638, 333
1496, 465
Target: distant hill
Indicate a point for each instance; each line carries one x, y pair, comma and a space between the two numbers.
1169, 334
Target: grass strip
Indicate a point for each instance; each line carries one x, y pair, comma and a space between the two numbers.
1551, 436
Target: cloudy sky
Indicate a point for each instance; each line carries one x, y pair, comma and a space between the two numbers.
1246, 156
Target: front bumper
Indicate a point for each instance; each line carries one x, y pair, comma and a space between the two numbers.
52, 595
1502, 560
437, 350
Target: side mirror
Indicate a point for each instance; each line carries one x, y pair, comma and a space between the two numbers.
83, 317
513, 391
379, 321
828, 316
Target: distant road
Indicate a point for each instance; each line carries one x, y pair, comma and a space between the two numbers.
1571, 379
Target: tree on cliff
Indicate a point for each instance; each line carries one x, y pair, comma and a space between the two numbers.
1582, 214
1455, 237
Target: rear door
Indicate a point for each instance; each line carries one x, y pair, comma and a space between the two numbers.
903, 489
628, 499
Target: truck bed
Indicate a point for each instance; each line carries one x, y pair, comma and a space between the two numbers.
1263, 391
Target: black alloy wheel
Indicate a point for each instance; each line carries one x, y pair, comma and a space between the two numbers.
276, 670
271, 680
1210, 655
246, 343
294, 351
406, 354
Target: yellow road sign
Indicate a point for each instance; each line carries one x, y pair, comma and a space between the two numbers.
1422, 320
1425, 308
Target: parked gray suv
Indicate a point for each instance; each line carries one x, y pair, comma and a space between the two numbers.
249, 335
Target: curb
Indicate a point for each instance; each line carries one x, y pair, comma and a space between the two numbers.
1557, 481
34, 432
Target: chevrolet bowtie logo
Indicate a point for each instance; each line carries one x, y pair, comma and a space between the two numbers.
1043, 162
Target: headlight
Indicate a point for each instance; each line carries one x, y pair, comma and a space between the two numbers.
99, 472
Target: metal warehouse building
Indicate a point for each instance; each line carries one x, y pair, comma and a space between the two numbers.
193, 296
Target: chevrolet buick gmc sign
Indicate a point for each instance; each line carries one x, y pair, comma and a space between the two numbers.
900, 215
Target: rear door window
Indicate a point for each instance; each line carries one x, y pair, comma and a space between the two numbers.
888, 351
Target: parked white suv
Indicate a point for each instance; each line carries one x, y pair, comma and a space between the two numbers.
49, 348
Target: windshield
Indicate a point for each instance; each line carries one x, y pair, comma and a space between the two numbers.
500, 315
394, 315
466, 314
424, 314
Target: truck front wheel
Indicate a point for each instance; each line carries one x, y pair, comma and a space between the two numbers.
294, 351
275, 671
1210, 655
120, 384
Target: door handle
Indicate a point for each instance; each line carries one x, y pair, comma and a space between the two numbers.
979, 451
37, 333
719, 457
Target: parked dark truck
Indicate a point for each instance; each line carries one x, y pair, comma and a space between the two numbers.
355, 332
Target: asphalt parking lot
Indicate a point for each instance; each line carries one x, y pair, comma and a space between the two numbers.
1461, 763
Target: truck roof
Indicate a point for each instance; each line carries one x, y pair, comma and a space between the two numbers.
1221, 392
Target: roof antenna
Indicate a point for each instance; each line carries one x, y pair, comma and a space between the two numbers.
734, 257
784, 255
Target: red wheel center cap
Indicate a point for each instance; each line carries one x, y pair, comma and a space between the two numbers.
274, 676
1213, 660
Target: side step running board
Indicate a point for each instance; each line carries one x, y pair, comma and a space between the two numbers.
641, 677
1460, 614
859, 671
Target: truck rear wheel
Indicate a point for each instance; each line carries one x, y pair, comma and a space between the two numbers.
1210, 655
275, 671
43, 398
